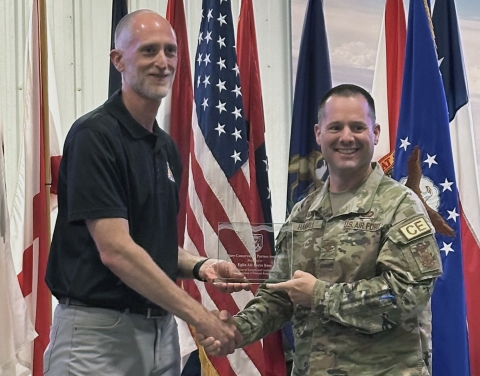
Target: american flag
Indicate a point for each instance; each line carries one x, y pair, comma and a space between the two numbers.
424, 122
221, 185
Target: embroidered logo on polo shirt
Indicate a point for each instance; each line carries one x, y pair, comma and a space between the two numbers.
169, 173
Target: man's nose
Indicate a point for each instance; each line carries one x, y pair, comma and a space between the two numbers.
161, 59
346, 134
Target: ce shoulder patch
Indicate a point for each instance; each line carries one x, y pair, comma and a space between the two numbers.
415, 228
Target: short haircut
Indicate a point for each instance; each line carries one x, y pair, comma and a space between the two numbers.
346, 90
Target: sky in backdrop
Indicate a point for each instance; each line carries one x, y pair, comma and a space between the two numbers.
353, 30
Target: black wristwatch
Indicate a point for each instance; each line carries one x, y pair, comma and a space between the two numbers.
196, 269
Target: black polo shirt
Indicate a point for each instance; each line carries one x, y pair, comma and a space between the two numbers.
112, 167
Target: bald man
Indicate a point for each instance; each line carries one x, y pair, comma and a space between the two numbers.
115, 257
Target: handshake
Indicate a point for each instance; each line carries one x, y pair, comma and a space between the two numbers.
223, 338
216, 330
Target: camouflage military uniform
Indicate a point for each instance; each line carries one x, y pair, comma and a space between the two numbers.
375, 261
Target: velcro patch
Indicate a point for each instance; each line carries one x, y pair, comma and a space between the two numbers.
426, 257
415, 228
307, 225
362, 225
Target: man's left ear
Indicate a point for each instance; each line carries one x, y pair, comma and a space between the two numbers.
376, 133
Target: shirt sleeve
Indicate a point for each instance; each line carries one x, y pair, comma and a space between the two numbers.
265, 314
92, 167
408, 264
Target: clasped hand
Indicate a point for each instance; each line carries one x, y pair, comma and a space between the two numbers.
300, 291
214, 346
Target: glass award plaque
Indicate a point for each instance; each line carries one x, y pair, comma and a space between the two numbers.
251, 247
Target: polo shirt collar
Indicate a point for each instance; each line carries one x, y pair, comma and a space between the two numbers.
115, 107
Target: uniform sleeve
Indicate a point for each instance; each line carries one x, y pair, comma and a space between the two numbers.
408, 264
265, 314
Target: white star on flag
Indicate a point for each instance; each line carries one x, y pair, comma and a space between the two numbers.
237, 91
208, 37
221, 63
207, 59
209, 15
237, 113
205, 103
221, 42
221, 107
452, 214
220, 129
236, 156
221, 20
430, 160
405, 143
237, 134
447, 185
237, 71
221, 85
206, 81
447, 248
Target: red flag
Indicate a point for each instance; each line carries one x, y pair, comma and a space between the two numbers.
177, 110
387, 83
29, 216
181, 103
247, 51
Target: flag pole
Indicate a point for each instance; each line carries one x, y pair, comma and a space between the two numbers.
45, 110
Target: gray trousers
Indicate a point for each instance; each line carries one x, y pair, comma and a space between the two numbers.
96, 341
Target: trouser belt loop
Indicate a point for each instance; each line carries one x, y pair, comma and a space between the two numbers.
151, 315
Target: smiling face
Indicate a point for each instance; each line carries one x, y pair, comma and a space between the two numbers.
147, 56
347, 135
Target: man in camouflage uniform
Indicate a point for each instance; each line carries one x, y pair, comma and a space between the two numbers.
365, 261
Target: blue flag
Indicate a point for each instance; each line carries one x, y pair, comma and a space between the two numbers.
449, 50
313, 80
447, 37
424, 123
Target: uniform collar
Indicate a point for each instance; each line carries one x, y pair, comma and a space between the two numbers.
361, 203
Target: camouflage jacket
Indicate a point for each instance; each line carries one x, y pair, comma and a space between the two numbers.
375, 261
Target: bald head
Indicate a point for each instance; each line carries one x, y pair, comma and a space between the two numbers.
132, 22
